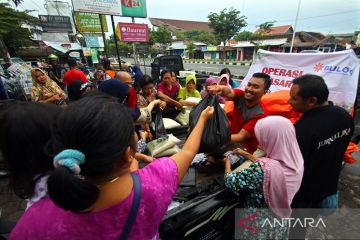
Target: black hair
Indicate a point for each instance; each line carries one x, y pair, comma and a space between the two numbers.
227, 71
145, 80
102, 129
76, 89
25, 130
265, 77
106, 64
72, 62
164, 72
311, 85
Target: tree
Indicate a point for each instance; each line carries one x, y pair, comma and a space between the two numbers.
17, 2
124, 47
226, 24
244, 36
191, 48
181, 36
265, 28
197, 36
162, 35
12, 33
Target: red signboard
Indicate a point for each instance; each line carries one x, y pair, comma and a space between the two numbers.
133, 32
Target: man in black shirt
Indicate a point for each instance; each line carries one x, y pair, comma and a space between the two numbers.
323, 133
56, 71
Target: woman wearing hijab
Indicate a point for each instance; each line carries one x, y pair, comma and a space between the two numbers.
45, 90
272, 181
188, 91
211, 81
224, 80
232, 83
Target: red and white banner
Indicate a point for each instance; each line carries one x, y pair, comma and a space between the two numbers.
340, 71
132, 32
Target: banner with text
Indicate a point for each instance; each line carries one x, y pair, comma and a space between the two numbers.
90, 22
340, 71
110, 7
94, 55
134, 8
132, 32
55, 24
94, 42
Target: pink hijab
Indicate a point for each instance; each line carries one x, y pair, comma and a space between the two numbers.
227, 79
283, 166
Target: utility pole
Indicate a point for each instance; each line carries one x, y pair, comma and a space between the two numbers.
103, 34
296, 20
134, 46
115, 39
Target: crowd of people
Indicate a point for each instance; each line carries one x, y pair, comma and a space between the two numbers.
73, 151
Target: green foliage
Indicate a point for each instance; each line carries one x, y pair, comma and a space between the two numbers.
227, 23
124, 47
191, 48
244, 36
162, 35
198, 36
180, 36
12, 33
247, 36
11, 20
17, 2
266, 27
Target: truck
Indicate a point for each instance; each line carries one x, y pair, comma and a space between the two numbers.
166, 62
173, 63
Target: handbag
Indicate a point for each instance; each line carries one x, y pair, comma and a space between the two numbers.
134, 208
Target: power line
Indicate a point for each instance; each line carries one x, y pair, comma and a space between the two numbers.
305, 18
36, 4
325, 15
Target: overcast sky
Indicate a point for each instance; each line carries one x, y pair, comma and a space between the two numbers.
326, 16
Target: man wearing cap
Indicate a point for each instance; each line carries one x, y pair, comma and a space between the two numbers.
56, 72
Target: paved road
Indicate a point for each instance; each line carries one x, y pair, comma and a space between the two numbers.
214, 68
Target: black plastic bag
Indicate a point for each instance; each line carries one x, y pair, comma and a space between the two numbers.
159, 124
217, 129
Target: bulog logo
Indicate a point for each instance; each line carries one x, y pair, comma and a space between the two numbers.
333, 69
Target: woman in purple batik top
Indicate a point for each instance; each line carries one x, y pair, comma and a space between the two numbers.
92, 188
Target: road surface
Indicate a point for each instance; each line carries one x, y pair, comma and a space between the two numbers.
213, 68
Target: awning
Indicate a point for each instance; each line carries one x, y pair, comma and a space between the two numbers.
265, 42
301, 44
63, 47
